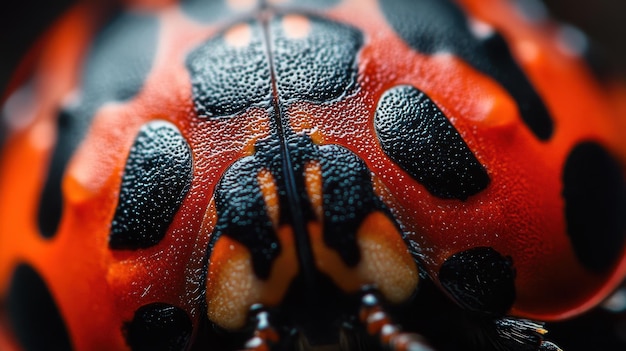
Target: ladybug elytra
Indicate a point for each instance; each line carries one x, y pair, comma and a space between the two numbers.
280, 175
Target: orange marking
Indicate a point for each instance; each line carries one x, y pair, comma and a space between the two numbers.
270, 195
239, 35
42, 135
385, 260
301, 120
296, 26
316, 136
313, 184
328, 261
232, 286
283, 271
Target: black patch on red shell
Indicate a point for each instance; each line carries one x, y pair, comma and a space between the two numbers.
313, 302
156, 179
51, 203
319, 67
112, 72
595, 205
241, 212
33, 314
206, 11
227, 80
417, 136
438, 26
158, 327
480, 280
347, 198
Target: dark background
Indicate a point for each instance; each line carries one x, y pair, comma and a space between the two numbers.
22, 21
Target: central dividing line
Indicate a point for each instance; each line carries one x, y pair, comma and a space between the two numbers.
301, 237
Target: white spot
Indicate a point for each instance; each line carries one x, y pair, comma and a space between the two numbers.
19, 108
527, 50
388, 329
375, 317
572, 40
254, 343
480, 29
617, 302
240, 5
146, 290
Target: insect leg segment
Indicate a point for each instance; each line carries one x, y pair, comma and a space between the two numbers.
379, 324
264, 334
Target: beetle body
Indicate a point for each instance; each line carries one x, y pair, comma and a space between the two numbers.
180, 163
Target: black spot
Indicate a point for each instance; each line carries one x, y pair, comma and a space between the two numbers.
112, 72
595, 205
158, 327
241, 209
480, 279
206, 11
51, 205
241, 212
434, 26
33, 314
416, 135
156, 179
227, 80
348, 197
319, 67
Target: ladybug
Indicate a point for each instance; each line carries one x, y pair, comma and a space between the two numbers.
306, 175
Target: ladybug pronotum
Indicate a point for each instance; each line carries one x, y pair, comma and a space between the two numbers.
306, 175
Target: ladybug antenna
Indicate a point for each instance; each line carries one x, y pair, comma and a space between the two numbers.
378, 324
264, 335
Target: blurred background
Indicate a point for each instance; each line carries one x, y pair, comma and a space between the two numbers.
22, 21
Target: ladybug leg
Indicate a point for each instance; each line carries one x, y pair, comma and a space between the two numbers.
264, 335
522, 334
379, 325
